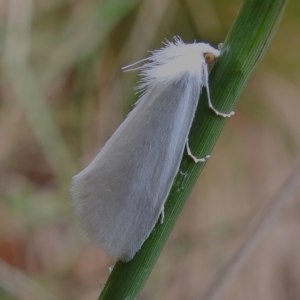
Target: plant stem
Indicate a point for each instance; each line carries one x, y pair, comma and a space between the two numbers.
244, 47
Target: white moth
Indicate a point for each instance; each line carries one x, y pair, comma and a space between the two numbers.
120, 195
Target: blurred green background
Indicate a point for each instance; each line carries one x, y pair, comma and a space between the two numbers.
63, 94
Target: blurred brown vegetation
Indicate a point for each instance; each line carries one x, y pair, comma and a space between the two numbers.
62, 96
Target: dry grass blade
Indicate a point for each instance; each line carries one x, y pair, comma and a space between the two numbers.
19, 285
263, 223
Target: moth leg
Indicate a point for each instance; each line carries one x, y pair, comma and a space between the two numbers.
162, 215
183, 174
196, 160
218, 113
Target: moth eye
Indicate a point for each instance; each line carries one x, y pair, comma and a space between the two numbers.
209, 58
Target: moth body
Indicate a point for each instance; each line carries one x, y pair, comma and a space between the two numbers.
120, 195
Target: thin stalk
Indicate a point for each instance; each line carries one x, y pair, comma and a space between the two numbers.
244, 47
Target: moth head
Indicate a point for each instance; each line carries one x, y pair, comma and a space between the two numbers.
209, 58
